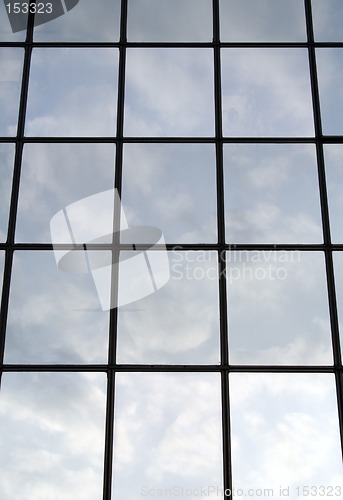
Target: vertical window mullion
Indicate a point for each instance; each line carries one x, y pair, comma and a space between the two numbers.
325, 215
15, 188
225, 395
113, 323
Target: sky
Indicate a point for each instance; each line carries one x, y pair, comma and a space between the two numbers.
168, 425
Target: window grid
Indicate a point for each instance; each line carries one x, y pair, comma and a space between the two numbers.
224, 368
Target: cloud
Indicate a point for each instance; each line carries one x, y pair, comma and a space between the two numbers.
56, 175
86, 23
289, 424
54, 317
271, 193
52, 434
334, 183
82, 105
338, 270
6, 34
330, 73
179, 323
6, 160
256, 82
158, 20
327, 20
334, 187
267, 20
171, 427
169, 92
278, 308
171, 186
11, 61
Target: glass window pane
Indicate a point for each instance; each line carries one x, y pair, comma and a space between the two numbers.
52, 435
54, 176
54, 317
173, 187
178, 324
330, 74
2, 265
328, 20
285, 434
338, 266
169, 92
334, 181
11, 66
266, 92
7, 152
88, 21
272, 194
278, 308
163, 21
84, 104
10, 29
167, 426
262, 21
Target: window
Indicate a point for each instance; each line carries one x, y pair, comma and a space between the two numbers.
192, 347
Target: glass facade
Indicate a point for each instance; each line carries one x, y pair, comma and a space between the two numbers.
192, 347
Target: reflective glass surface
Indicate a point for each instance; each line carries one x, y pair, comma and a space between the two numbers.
54, 317
262, 21
328, 20
272, 194
169, 92
168, 321
278, 308
52, 435
54, 176
2, 264
88, 21
173, 187
6, 169
256, 82
338, 270
180, 322
285, 435
6, 32
330, 74
333, 154
11, 66
162, 20
166, 428
84, 104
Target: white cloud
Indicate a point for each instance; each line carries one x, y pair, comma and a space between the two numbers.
273, 320
52, 434
82, 105
54, 317
11, 61
266, 20
327, 20
266, 92
172, 430
159, 20
179, 323
271, 194
56, 175
289, 425
6, 169
169, 92
171, 186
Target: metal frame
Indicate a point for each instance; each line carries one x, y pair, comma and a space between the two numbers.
224, 368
